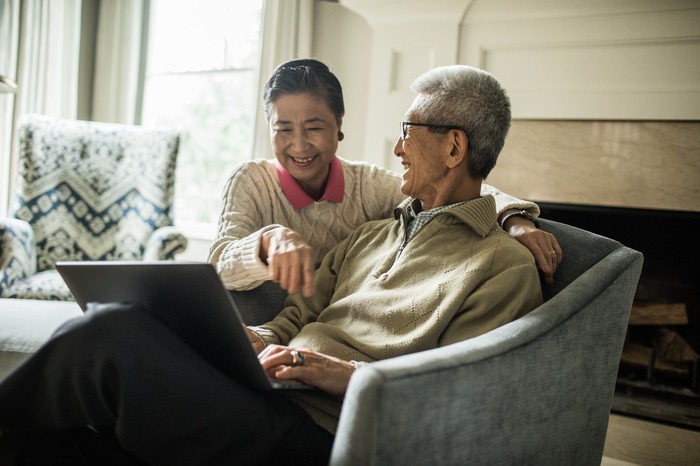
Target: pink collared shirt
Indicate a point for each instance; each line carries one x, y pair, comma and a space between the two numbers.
296, 195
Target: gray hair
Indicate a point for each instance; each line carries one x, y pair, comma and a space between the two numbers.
471, 99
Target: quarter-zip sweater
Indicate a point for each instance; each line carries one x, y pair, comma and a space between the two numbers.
459, 277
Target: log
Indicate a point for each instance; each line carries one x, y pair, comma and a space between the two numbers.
671, 346
659, 314
638, 355
635, 354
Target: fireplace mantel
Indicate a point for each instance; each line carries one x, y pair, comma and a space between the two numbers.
637, 164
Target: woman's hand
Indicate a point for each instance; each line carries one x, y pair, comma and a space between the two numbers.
543, 245
330, 374
290, 260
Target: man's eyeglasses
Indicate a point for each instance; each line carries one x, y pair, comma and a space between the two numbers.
406, 124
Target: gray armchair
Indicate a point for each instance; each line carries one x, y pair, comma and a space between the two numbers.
535, 391
86, 191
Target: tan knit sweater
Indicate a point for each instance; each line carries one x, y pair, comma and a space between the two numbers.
253, 202
459, 277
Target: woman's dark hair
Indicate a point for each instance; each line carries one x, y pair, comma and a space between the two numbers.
304, 76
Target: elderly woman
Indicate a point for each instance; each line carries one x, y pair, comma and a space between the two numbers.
280, 217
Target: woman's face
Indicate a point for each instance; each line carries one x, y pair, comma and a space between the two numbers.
304, 135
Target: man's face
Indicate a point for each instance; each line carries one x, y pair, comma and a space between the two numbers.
421, 153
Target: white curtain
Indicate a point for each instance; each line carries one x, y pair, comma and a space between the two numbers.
286, 34
49, 58
44, 61
118, 61
9, 48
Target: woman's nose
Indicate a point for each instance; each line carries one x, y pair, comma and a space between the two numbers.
300, 140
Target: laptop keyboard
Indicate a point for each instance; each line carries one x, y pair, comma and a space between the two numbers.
288, 384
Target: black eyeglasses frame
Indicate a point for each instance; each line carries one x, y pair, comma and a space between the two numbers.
406, 124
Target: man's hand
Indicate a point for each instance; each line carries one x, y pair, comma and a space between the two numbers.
327, 373
543, 245
290, 260
255, 340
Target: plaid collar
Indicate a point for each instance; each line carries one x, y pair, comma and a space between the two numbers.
416, 218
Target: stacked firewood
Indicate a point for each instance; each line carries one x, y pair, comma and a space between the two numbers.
664, 347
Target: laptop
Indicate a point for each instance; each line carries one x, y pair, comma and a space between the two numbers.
189, 298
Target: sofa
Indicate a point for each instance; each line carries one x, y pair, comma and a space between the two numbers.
25, 324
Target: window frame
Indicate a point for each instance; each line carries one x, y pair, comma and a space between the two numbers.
198, 230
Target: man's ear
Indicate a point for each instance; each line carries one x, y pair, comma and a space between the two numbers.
459, 148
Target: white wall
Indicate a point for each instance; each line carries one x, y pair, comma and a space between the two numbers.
343, 40
589, 59
575, 59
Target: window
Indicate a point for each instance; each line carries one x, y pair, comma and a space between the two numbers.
201, 79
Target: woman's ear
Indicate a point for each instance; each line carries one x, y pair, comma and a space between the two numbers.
341, 136
459, 148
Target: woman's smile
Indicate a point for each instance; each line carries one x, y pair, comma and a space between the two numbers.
303, 162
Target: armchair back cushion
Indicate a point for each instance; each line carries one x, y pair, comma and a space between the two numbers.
91, 191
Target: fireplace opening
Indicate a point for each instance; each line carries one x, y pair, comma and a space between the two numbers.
659, 368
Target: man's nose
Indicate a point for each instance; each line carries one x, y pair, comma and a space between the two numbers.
398, 147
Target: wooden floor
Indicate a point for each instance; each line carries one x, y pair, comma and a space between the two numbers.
632, 441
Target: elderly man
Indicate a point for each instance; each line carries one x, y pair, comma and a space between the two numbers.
391, 288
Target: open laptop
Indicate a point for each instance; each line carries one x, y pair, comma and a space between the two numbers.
188, 297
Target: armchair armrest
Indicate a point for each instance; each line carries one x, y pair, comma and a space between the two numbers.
164, 244
17, 252
535, 391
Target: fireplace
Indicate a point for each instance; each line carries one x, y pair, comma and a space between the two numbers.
659, 368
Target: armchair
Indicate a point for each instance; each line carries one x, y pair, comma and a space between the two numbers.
86, 191
535, 391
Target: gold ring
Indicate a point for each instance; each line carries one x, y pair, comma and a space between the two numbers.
297, 359
552, 253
